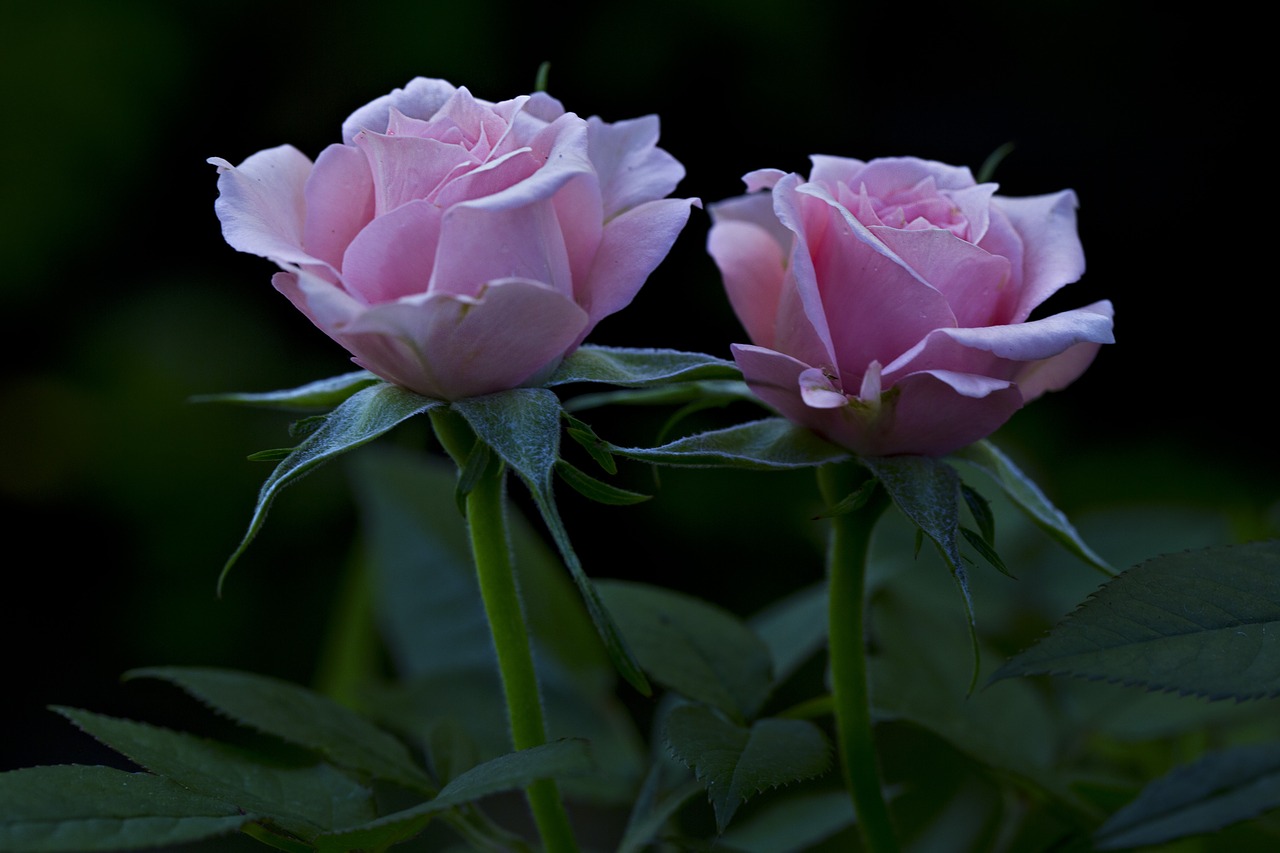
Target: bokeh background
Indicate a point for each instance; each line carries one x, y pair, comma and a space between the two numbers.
122, 499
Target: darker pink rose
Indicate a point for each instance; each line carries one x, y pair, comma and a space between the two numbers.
459, 247
889, 302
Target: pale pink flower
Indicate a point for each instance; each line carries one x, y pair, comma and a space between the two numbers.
889, 302
458, 247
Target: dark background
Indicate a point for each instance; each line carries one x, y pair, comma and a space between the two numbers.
121, 500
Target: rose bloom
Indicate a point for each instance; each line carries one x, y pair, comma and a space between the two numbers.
888, 302
454, 246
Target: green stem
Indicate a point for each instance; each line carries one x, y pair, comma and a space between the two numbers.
491, 550
846, 573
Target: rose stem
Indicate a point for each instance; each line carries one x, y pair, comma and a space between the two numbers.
846, 591
491, 550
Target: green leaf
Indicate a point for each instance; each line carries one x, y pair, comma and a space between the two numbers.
301, 716
314, 396
367, 414
1215, 791
919, 675
523, 428
771, 443
69, 809
555, 760
477, 464
735, 762
1201, 622
640, 367
794, 629
1026, 495
927, 490
303, 799
792, 824
651, 812
597, 490
692, 647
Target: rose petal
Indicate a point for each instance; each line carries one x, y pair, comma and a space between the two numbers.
938, 412
972, 280
420, 99
1059, 371
409, 168
262, 204
1053, 254
451, 347
632, 169
753, 268
631, 248
339, 197
876, 305
999, 351
394, 254
817, 392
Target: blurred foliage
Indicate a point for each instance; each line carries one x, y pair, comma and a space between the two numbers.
122, 500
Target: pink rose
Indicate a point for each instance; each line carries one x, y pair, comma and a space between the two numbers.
888, 302
454, 246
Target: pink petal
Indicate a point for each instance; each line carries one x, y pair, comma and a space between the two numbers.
394, 255
753, 267
998, 351
451, 347
817, 392
339, 194
632, 169
890, 176
631, 247
1054, 256
262, 205
877, 307
420, 99
972, 280
1059, 371
930, 413
408, 168
938, 412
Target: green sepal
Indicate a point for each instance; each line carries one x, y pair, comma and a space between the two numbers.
75, 809
1026, 495
634, 368
768, 444
1213, 792
927, 491
980, 509
278, 454
736, 762
555, 760
586, 437
1205, 623
986, 549
475, 467
365, 415
319, 396
854, 501
597, 490
523, 427
300, 716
